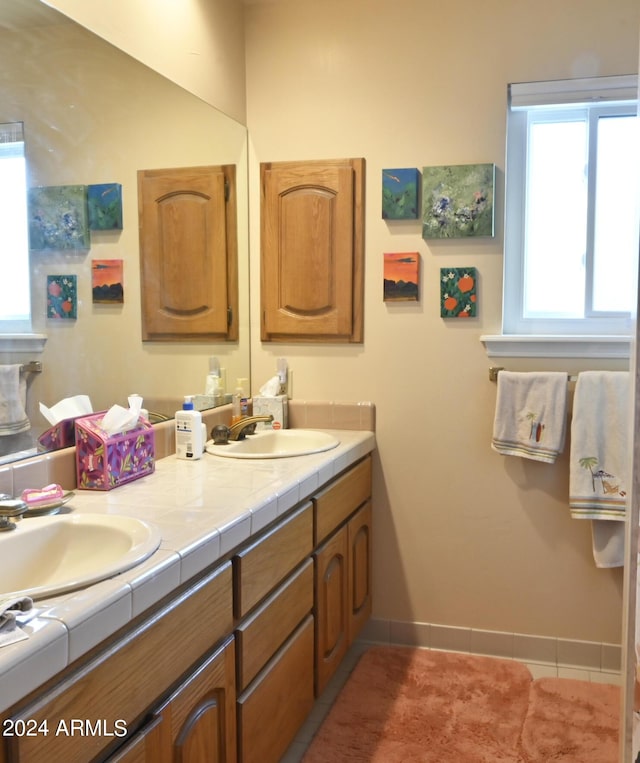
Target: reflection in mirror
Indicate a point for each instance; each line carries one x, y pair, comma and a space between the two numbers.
94, 115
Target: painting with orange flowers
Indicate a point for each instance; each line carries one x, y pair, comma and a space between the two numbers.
107, 281
401, 274
62, 296
458, 292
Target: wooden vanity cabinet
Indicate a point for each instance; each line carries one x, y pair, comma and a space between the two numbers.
228, 668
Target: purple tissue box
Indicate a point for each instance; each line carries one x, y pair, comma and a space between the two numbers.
106, 461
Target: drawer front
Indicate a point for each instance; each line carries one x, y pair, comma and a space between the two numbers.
262, 634
126, 679
258, 569
273, 709
333, 505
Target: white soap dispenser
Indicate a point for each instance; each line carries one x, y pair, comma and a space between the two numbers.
189, 437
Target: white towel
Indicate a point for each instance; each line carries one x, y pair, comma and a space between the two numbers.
10, 609
13, 398
600, 446
531, 414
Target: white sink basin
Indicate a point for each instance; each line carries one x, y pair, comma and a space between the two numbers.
46, 556
281, 443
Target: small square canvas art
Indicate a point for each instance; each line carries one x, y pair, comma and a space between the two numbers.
62, 296
457, 201
401, 276
107, 281
58, 218
400, 190
458, 293
104, 201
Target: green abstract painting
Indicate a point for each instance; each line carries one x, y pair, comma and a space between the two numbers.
400, 188
58, 217
105, 206
457, 201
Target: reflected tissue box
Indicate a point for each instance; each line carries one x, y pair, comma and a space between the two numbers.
106, 461
60, 435
277, 406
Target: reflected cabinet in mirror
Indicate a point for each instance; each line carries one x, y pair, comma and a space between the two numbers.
93, 115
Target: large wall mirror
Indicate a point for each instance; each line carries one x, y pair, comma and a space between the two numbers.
93, 115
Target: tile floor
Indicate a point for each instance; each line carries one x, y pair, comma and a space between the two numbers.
323, 704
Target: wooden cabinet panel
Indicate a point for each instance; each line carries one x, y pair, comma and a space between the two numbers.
188, 253
262, 565
312, 256
360, 571
125, 680
145, 746
263, 633
272, 710
198, 720
332, 606
334, 504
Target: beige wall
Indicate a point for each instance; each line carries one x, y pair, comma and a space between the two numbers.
199, 45
462, 536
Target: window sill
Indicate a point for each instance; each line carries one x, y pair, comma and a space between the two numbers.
525, 346
22, 342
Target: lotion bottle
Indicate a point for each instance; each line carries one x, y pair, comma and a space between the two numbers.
189, 442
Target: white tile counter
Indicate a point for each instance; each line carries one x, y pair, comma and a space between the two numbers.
204, 509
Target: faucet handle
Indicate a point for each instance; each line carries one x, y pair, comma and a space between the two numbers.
10, 508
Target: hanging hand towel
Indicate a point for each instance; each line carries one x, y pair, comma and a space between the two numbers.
598, 465
531, 413
13, 398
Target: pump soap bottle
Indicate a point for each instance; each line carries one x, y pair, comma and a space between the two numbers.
189, 437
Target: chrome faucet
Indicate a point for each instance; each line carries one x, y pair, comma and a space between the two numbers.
10, 508
221, 434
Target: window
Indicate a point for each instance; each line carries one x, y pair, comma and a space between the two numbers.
571, 217
15, 305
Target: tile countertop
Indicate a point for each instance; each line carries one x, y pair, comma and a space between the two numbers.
204, 509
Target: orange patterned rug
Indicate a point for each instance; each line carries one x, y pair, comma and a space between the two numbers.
402, 704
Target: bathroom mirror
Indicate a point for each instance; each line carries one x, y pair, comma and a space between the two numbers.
94, 115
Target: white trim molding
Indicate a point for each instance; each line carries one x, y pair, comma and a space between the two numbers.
531, 346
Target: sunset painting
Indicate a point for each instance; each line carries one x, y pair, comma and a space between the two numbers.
401, 276
107, 281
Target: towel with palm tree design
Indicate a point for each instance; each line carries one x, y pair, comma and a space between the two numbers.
599, 446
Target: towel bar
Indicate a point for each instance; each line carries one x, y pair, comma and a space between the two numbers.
495, 370
32, 367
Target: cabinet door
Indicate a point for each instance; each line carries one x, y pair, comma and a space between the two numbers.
188, 253
360, 570
198, 720
332, 606
312, 250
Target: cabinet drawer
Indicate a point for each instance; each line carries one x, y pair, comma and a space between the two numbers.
262, 634
260, 567
333, 505
124, 680
276, 705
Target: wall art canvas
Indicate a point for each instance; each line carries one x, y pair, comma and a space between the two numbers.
107, 281
458, 293
457, 201
62, 296
401, 276
400, 194
104, 201
58, 218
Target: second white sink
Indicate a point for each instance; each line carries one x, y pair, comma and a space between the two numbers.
280, 443
46, 556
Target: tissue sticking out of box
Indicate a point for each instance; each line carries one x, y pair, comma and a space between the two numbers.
69, 408
119, 419
271, 387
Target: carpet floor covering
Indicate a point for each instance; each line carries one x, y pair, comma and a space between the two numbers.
402, 704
